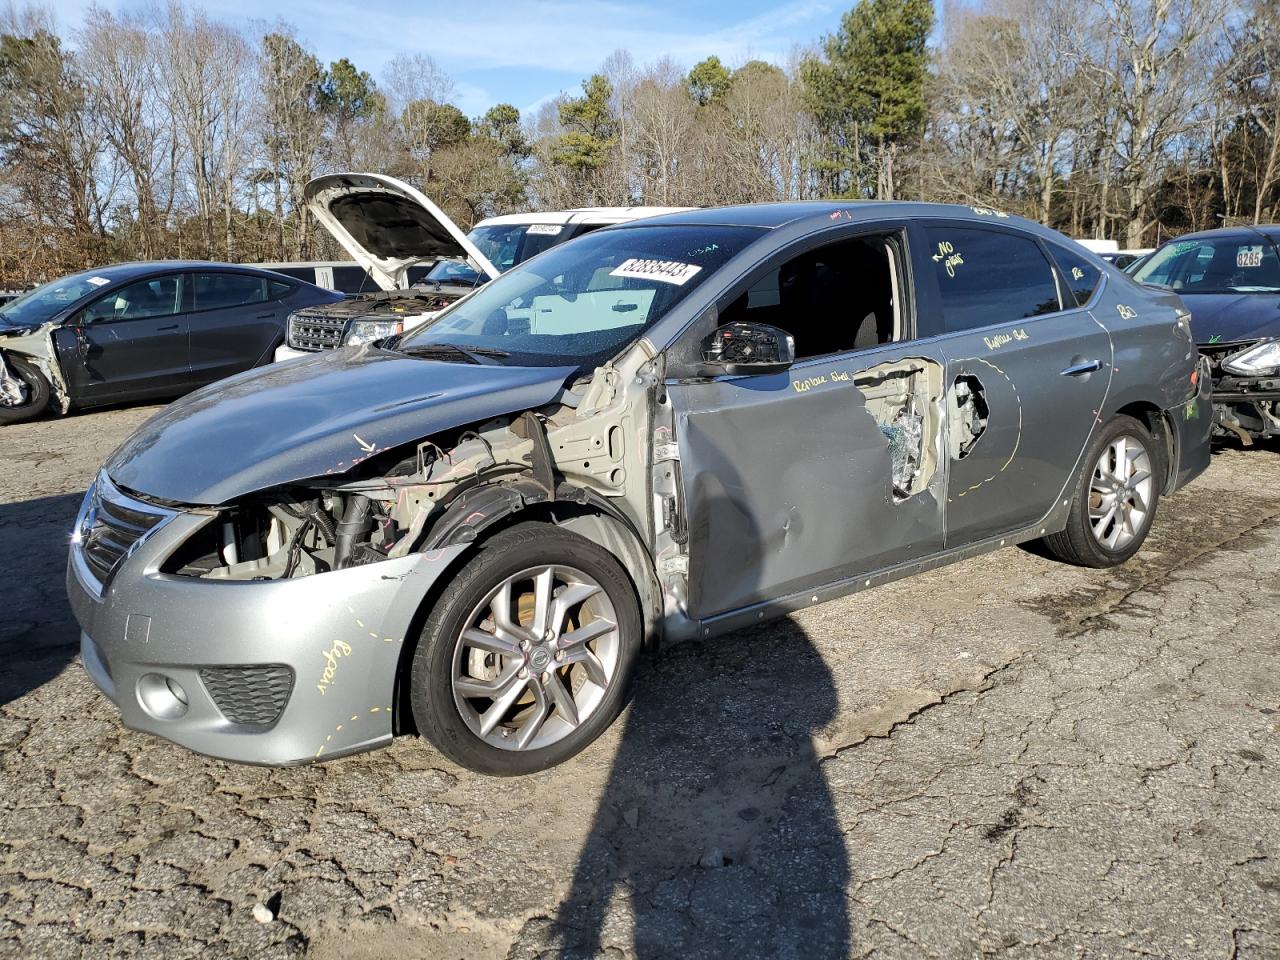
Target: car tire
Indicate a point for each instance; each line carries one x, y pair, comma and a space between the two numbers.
37, 391
1112, 505
463, 652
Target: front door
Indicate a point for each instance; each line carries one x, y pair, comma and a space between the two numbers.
833, 468
130, 343
1027, 374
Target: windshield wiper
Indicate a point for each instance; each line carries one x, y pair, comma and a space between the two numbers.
441, 350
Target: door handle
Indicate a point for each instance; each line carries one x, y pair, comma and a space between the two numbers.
264, 316
1080, 369
172, 326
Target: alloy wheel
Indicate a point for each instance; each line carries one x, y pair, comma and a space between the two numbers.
1120, 493
535, 657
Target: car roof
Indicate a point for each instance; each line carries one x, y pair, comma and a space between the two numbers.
580, 215
773, 215
1269, 230
138, 268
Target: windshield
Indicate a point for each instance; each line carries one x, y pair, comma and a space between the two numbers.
504, 246
1214, 265
583, 301
43, 303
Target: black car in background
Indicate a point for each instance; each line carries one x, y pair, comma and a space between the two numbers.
139, 331
1230, 281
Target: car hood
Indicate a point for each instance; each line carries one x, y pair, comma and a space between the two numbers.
388, 226
311, 417
1232, 317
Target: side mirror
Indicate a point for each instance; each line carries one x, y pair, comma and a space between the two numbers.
738, 349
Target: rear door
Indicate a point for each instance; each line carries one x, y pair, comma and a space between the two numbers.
1027, 372
236, 321
130, 343
831, 469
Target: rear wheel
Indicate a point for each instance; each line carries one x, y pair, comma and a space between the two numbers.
526, 657
1115, 498
24, 392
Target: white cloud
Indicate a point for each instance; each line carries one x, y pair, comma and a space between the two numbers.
557, 36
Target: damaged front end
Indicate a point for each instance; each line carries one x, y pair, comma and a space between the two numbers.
1246, 388
279, 620
29, 371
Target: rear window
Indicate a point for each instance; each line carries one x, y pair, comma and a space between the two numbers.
986, 277
1080, 274
216, 291
353, 280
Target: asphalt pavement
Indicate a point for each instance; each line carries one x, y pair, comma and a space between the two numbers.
1005, 757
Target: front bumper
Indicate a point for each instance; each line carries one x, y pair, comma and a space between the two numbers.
286, 352
341, 634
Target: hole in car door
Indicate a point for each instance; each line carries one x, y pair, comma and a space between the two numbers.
826, 471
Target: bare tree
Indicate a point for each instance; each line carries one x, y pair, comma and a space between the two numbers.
1156, 51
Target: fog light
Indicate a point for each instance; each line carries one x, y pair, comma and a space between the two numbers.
162, 697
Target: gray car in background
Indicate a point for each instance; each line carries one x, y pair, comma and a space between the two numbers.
663, 430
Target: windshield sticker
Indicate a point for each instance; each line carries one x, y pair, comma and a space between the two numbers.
545, 229
948, 256
667, 271
988, 212
98, 281
1249, 256
1077, 273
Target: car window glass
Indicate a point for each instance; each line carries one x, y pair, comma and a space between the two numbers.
580, 303
986, 277
834, 299
277, 289
1081, 276
154, 297
354, 280
216, 291
1213, 265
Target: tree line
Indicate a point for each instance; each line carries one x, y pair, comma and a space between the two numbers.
170, 133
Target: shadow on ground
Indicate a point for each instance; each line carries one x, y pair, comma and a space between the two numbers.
716, 834
38, 636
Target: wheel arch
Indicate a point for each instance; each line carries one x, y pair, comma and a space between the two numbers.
1157, 422
483, 512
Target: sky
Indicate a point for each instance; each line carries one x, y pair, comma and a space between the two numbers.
525, 52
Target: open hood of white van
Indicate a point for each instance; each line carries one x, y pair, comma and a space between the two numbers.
388, 226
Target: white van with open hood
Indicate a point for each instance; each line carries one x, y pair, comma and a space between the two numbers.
390, 228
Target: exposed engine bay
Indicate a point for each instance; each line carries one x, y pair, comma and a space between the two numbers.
1245, 408
392, 504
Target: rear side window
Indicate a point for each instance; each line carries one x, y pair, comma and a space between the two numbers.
355, 280
215, 291
986, 277
298, 273
1081, 276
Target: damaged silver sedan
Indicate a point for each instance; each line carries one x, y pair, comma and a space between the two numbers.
659, 431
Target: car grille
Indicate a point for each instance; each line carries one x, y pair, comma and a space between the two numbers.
253, 695
315, 332
111, 526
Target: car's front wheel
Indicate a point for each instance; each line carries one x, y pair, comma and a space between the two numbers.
24, 393
525, 658
1115, 498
